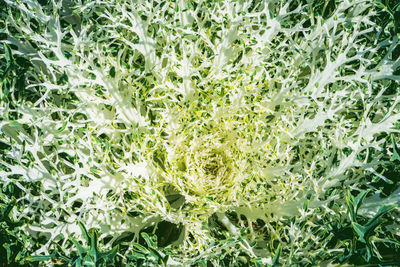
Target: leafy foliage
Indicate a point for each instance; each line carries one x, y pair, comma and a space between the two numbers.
86, 256
14, 243
227, 133
364, 232
148, 255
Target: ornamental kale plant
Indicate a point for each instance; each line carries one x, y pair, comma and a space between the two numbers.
230, 133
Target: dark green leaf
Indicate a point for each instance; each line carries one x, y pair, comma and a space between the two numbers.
359, 198
382, 211
5, 89
63, 79
275, 260
109, 255
365, 231
361, 231
8, 55
112, 72
5, 212
396, 151
93, 245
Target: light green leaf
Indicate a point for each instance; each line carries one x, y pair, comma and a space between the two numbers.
40, 258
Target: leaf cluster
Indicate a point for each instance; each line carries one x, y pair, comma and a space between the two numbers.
13, 242
360, 237
89, 255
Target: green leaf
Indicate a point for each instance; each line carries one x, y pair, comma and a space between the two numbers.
77, 262
141, 248
109, 255
151, 243
84, 232
382, 211
65, 258
63, 79
40, 258
8, 251
396, 151
396, 18
14, 124
5, 89
81, 250
62, 128
5, 212
155, 254
359, 198
360, 230
93, 245
20, 256
305, 205
159, 162
3, 197
112, 72
88, 262
8, 55
137, 256
275, 260
354, 203
365, 231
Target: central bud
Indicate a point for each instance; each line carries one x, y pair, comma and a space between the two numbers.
212, 165
205, 165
